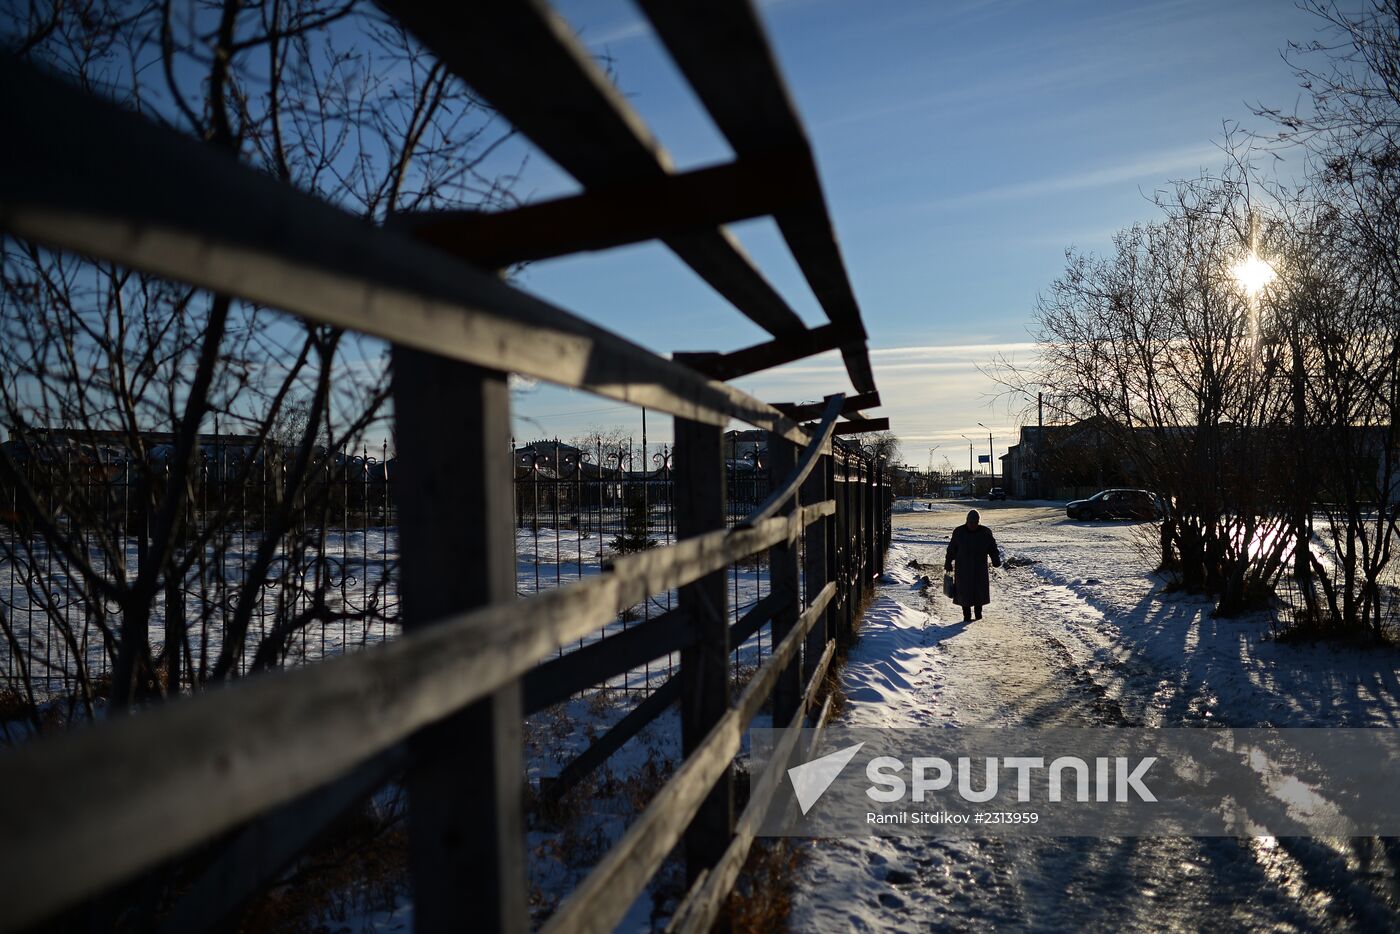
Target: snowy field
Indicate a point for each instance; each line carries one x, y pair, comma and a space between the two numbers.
1078, 634
356, 573
58, 624
548, 558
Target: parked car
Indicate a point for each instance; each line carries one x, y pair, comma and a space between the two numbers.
996, 492
1116, 504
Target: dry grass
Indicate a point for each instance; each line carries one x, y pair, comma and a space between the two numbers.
360, 865
762, 896
14, 705
576, 830
1303, 629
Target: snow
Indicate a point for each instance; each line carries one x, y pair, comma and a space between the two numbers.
548, 558
1080, 633
895, 654
355, 568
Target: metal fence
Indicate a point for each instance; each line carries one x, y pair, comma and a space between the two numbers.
324, 585
333, 584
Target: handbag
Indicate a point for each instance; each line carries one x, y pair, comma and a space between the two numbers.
950, 587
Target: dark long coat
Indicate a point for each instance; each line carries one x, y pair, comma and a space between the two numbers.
967, 558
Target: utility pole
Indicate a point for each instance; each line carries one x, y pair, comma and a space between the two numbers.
970, 474
991, 464
1039, 437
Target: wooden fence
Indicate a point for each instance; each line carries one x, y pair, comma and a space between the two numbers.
266, 763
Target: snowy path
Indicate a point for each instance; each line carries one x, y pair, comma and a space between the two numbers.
1075, 637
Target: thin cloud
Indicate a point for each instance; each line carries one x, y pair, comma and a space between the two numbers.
971, 94
951, 350
1156, 166
931, 393
616, 33
932, 356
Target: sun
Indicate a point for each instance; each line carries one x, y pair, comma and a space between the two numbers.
1253, 274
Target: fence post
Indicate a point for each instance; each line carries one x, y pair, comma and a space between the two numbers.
782, 563
174, 629
456, 546
843, 546
886, 510
852, 543
872, 555
861, 524
699, 508
815, 572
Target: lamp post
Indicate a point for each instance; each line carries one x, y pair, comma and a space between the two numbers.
991, 464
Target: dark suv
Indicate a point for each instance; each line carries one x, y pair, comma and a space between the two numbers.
996, 492
1116, 504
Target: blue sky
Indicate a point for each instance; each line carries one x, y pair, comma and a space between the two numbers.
963, 146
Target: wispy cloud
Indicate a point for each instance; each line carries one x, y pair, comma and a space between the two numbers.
626, 30
951, 350
1155, 166
931, 393
972, 93
615, 33
930, 356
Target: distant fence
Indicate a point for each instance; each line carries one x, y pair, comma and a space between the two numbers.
570, 522
330, 584
243, 778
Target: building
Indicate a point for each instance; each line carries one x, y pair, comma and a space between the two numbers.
1078, 460
1064, 461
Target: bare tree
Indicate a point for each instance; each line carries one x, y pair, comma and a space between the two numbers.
882, 444
152, 424
1335, 340
1265, 410
1155, 348
1340, 266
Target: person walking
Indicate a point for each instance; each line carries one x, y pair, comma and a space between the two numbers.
972, 544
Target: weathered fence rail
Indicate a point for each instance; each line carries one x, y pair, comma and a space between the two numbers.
84, 811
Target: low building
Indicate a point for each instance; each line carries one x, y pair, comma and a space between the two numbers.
1064, 462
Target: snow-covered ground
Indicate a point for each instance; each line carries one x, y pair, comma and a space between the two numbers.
566, 840
548, 558
357, 569
41, 594
1079, 633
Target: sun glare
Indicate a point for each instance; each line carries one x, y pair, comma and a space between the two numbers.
1253, 274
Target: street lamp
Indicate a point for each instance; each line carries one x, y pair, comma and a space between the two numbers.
991, 464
